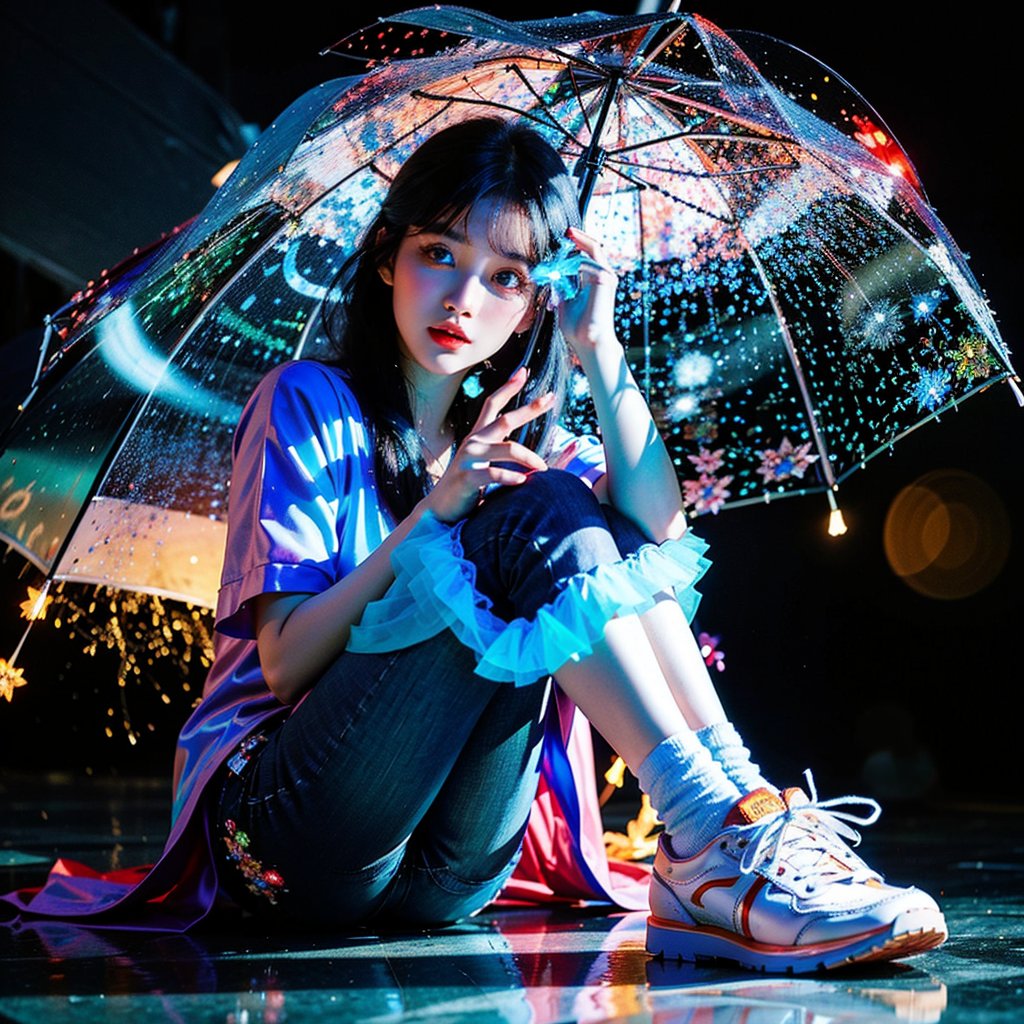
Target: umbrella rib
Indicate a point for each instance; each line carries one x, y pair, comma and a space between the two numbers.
935, 414
518, 71
669, 100
819, 441
492, 105
896, 226
639, 183
708, 174
664, 44
141, 404
765, 140
794, 361
579, 99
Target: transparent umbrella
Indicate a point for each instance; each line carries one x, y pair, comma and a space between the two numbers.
789, 301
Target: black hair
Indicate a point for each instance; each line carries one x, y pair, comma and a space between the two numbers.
438, 186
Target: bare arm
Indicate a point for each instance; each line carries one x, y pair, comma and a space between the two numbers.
299, 635
641, 481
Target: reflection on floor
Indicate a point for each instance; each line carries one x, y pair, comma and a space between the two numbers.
518, 965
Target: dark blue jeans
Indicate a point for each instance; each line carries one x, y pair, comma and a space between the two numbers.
399, 790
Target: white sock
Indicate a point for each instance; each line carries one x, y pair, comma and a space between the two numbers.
726, 746
688, 789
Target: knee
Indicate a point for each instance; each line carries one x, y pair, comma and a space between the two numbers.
629, 538
553, 495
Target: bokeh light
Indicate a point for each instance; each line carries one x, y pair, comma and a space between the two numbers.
947, 535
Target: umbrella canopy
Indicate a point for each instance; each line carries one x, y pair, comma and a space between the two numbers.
789, 301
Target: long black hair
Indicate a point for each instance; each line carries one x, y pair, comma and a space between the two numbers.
438, 186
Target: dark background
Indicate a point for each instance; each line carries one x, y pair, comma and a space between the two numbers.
832, 661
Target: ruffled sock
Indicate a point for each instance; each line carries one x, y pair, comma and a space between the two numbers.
727, 748
689, 790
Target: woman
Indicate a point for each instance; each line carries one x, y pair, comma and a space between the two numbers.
415, 548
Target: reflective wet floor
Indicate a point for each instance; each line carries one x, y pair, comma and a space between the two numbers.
519, 965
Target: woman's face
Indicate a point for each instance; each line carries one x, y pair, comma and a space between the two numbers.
459, 294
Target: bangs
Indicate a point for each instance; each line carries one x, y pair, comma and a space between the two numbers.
515, 234
518, 230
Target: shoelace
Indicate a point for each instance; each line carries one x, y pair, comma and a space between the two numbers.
808, 826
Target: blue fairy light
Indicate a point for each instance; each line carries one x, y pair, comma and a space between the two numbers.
694, 370
925, 304
561, 272
683, 407
877, 328
471, 386
931, 389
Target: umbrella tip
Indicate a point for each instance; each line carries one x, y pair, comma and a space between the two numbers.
836, 523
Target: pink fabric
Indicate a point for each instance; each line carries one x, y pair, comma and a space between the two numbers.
554, 862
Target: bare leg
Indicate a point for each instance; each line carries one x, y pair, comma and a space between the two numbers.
682, 666
650, 683
619, 686
622, 691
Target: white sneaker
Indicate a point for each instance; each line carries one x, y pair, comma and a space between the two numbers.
779, 890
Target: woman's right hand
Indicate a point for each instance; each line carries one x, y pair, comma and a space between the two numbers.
485, 455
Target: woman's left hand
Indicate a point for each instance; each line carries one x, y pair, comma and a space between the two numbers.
587, 320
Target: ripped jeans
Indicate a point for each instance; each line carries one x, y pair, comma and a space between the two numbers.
398, 791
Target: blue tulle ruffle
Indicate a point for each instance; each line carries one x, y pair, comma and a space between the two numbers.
435, 588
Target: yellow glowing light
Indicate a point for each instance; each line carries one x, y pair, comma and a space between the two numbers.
34, 608
638, 843
223, 174
615, 775
138, 629
836, 522
10, 679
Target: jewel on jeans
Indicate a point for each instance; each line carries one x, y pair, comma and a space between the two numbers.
779, 890
258, 880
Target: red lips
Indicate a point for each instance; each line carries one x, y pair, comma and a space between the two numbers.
447, 335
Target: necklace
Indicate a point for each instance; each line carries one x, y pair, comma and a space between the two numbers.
436, 460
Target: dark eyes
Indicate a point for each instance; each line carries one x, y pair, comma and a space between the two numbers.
507, 278
438, 254
511, 279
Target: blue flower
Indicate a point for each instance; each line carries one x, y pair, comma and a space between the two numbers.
561, 272
931, 389
925, 304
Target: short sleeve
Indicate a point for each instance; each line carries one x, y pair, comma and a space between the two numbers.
301, 487
582, 455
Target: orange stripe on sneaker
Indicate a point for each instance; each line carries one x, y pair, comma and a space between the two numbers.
813, 949
719, 883
748, 901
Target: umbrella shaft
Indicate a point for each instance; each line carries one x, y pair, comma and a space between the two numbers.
589, 165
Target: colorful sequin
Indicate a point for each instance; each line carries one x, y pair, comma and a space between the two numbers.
239, 761
260, 881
